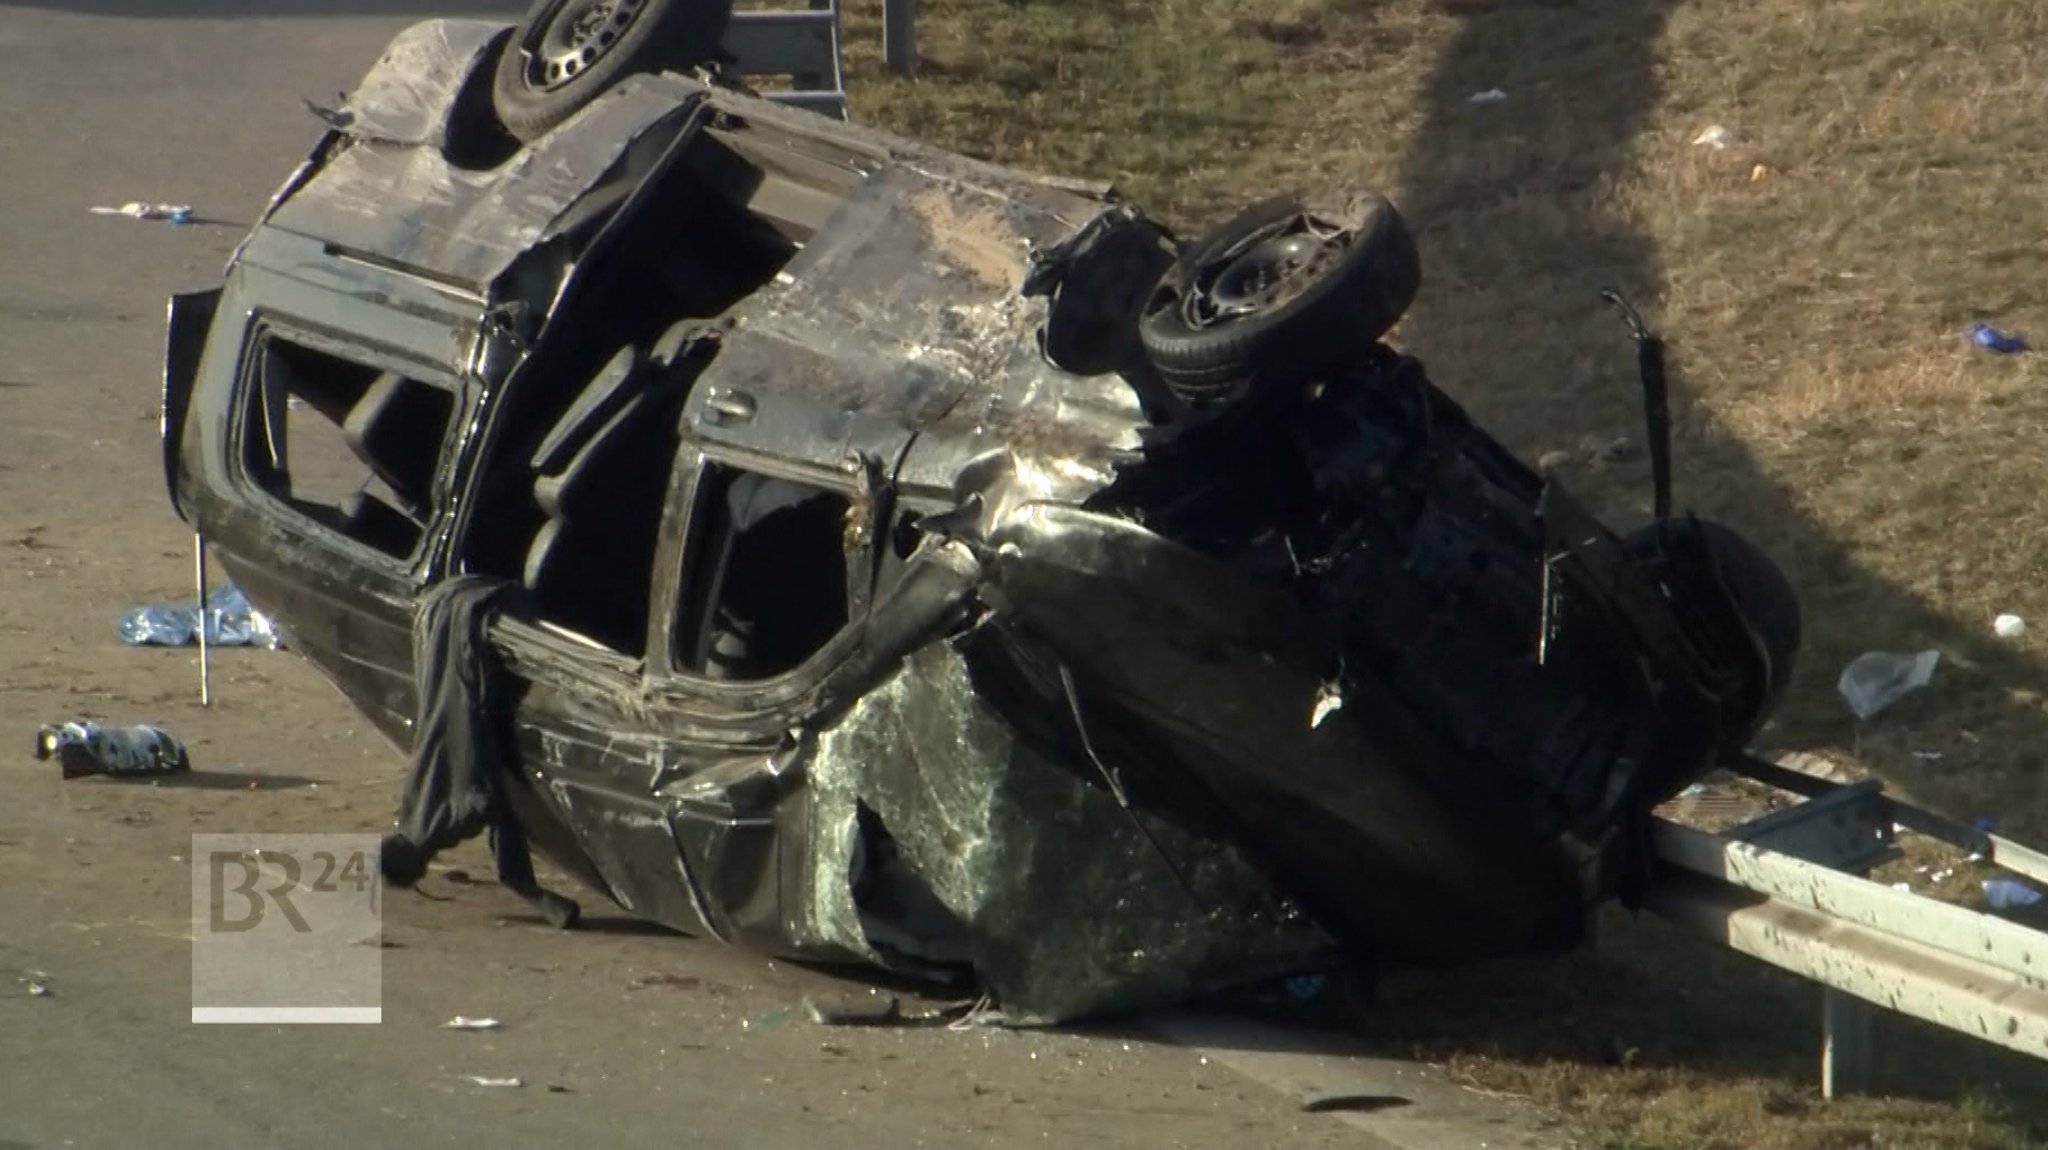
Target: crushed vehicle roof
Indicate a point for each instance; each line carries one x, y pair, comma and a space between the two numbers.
854, 551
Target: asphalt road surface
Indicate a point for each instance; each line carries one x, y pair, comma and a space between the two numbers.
618, 1035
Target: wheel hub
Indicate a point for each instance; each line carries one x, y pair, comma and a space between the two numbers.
577, 35
1265, 275
1252, 280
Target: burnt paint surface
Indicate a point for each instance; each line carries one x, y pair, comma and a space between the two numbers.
1063, 748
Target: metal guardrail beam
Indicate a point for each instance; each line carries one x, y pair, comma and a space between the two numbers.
1778, 891
2013, 950
1876, 966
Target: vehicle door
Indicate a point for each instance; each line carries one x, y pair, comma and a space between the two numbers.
314, 465
769, 582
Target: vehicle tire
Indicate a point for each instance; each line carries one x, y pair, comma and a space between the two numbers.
1762, 593
1281, 292
566, 52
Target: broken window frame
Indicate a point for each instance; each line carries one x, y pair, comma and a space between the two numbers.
681, 575
243, 424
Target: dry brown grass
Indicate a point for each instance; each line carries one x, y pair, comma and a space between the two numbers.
1815, 280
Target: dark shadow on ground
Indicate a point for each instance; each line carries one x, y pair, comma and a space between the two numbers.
273, 9
1514, 203
1512, 200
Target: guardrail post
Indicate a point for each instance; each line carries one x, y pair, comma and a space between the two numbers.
1845, 1058
899, 36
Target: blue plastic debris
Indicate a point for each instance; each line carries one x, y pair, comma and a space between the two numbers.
1986, 823
86, 748
230, 622
2005, 343
2005, 894
177, 214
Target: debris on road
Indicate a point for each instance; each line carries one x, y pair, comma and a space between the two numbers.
876, 1010
230, 621
38, 983
1876, 679
2009, 894
1714, 136
671, 981
88, 748
1329, 700
1490, 96
481, 1080
1992, 339
459, 1022
178, 214
2009, 626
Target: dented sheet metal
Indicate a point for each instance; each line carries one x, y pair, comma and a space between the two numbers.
468, 227
1061, 691
430, 74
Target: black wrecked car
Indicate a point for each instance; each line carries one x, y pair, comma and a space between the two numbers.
856, 552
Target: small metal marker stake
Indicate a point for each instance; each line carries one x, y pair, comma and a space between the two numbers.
199, 578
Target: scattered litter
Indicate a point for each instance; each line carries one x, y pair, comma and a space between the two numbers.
1928, 756
1943, 875
480, 1080
1329, 700
1757, 174
2009, 626
1903, 887
770, 1020
1693, 790
1992, 339
1877, 679
38, 984
1490, 96
878, 1010
672, 981
87, 748
179, 214
1552, 462
887, 1010
2007, 894
230, 622
1714, 136
461, 1023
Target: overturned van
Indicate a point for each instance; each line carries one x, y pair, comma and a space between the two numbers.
855, 552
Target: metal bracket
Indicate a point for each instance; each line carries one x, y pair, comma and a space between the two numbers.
1848, 829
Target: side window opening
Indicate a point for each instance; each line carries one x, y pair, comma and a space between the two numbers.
351, 446
767, 573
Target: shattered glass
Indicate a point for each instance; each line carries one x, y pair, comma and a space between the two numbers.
1068, 906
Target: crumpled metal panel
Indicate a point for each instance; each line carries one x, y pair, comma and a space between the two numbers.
468, 227
1068, 906
905, 308
414, 90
